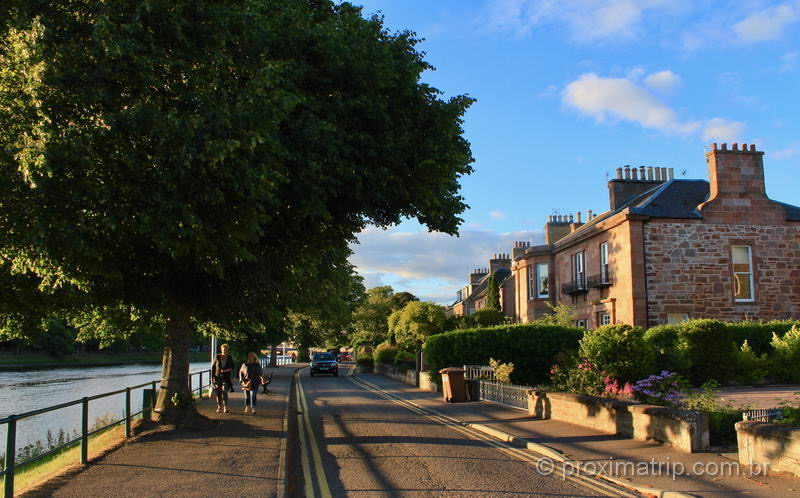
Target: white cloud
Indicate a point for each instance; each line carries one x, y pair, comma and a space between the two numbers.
429, 263
610, 99
497, 214
790, 151
721, 129
765, 25
619, 98
789, 61
664, 81
586, 20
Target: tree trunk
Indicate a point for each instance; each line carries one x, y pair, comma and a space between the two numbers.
175, 373
273, 356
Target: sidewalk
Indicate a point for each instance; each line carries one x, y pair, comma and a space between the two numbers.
241, 456
704, 474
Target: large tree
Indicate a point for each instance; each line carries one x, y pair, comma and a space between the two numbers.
415, 322
208, 161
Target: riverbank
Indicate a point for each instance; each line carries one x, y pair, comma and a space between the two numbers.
35, 361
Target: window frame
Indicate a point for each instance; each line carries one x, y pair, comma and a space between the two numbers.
600, 315
576, 257
750, 274
538, 280
604, 262
531, 280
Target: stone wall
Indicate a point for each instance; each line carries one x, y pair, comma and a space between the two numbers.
769, 446
688, 270
685, 430
407, 377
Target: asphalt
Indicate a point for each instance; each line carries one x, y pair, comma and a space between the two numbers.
575, 447
242, 455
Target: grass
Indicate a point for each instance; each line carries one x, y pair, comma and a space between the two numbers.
10, 359
38, 472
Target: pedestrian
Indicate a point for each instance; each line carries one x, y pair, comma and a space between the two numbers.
250, 378
221, 372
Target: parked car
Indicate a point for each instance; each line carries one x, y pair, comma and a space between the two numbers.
345, 356
324, 363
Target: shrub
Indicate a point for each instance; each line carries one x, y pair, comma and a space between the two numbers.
405, 360
502, 371
663, 341
612, 389
618, 350
365, 360
58, 340
384, 353
709, 349
663, 389
785, 365
572, 375
531, 347
759, 334
750, 367
488, 318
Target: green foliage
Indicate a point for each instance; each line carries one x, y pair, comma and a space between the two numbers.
791, 411
572, 375
531, 347
502, 371
414, 323
563, 315
663, 341
365, 360
210, 162
58, 340
758, 334
709, 349
371, 318
384, 353
786, 360
181, 400
405, 360
492, 293
618, 350
750, 367
480, 319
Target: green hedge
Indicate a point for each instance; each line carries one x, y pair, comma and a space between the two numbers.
530, 347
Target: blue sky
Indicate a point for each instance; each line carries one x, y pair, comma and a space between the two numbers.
569, 90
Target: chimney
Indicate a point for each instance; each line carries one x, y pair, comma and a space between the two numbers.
635, 181
556, 228
499, 261
736, 186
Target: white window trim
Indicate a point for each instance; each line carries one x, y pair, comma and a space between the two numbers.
539, 279
600, 318
531, 268
752, 298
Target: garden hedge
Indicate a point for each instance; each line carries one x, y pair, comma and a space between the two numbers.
532, 348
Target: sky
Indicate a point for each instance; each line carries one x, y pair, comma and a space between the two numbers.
569, 90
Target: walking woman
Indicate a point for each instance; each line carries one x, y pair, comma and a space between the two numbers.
250, 377
221, 371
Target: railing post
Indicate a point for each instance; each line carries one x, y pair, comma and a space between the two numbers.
85, 431
127, 412
200, 387
153, 400
190, 384
11, 451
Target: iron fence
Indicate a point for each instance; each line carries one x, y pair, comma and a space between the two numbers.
763, 415
280, 360
479, 372
511, 395
11, 465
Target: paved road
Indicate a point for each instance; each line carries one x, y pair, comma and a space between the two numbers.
368, 445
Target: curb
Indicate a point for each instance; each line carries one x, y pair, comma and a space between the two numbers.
560, 457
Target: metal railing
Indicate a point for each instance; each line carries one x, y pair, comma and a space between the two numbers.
478, 372
763, 415
11, 465
577, 286
602, 279
281, 360
511, 395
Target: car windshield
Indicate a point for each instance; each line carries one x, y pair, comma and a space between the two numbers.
324, 357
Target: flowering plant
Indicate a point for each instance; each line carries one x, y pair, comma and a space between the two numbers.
613, 390
663, 389
575, 375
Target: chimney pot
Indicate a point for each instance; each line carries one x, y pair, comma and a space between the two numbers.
663, 174
657, 174
671, 173
725, 146
650, 173
641, 173
634, 174
589, 214
619, 173
627, 172
570, 219
578, 215
752, 147
714, 146
735, 146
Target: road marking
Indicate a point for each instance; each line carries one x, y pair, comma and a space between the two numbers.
583, 480
310, 442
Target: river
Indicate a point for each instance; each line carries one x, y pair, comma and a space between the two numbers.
33, 389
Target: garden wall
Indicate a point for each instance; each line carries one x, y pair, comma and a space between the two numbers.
775, 446
407, 377
684, 430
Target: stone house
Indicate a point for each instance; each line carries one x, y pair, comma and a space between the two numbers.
667, 250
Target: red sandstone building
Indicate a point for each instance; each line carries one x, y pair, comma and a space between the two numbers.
667, 250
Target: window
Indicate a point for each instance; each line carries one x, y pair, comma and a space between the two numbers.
742, 257
674, 318
604, 318
542, 280
581, 323
531, 282
604, 263
578, 276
